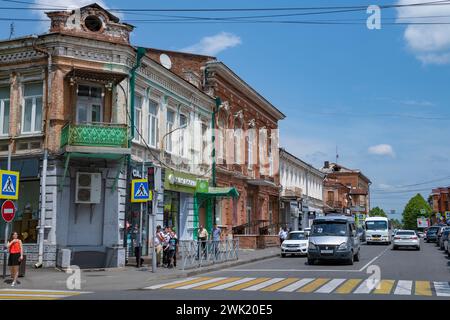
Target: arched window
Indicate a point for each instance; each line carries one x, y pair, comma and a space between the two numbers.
237, 134
220, 136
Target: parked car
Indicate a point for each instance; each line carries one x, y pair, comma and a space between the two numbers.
443, 237
441, 229
446, 247
333, 237
432, 233
295, 243
406, 238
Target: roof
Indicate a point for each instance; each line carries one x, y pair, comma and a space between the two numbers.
303, 163
342, 169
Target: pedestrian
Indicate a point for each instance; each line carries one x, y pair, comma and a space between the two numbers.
174, 234
15, 249
137, 245
165, 245
216, 232
280, 235
172, 249
203, 236
283, 235
158, 245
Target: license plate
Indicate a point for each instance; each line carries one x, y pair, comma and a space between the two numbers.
326, 251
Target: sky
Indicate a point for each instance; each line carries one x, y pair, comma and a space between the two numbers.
380, 97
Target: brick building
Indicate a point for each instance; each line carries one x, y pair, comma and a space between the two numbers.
440, 198
345, 190
246, 144
66, 116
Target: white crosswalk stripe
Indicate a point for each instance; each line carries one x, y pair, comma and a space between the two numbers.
157, 286
404, 287
264, 284
330, 286
442, 289
232, 284
192, 285
365, 287
296, 285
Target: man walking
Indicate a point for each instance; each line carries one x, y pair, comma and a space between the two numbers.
216, 238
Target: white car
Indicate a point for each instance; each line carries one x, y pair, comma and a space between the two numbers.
406, 238
295, 243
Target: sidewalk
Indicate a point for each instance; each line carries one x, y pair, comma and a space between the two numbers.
127, 278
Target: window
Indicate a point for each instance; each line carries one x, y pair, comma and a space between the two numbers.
153, 132
4, 111
89, 104
221, 138
181, 139
137, 117
169, 127
271, 159
237, 145
204, 152
250, 148
32, 108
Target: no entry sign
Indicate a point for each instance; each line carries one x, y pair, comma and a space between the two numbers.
8, 210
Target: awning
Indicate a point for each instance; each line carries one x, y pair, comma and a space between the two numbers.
219, 192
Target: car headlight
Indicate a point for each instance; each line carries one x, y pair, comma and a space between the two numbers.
303, 245
311, 246
343, 246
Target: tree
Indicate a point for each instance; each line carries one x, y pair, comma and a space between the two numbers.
377, 212
413, 209
396, 224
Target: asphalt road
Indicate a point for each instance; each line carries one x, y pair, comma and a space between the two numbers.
403, 274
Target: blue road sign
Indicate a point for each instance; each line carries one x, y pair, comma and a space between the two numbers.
9, 188
140, 191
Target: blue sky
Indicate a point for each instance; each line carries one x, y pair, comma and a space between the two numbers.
365, 91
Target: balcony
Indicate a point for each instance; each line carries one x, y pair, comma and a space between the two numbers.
95, 138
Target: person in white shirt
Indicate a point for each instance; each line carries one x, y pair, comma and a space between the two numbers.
159, 238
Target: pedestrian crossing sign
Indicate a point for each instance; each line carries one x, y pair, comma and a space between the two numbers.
140, 191
9, 184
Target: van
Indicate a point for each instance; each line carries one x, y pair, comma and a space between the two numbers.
333, 237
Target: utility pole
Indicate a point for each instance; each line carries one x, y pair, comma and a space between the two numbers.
7, 223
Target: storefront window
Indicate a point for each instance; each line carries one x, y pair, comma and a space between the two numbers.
27, 214
171, 209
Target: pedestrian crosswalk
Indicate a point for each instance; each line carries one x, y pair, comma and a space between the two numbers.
28, 294
311, 285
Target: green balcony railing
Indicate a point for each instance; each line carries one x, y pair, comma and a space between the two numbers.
95, 135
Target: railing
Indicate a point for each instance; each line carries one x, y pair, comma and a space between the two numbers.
253, 227
195, 254
95, 135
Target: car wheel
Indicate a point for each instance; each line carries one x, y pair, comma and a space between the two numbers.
428, 241
394, 248
311, 262
351, 260
418, 248
356, 257
283, 255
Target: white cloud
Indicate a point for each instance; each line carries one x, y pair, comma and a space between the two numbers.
382, 150
430, 43
212, 45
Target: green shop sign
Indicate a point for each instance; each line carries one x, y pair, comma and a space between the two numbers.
184, 182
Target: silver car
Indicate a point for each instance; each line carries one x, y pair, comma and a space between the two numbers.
333, 237
406, 238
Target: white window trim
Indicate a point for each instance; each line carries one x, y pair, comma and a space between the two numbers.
137, 137
182, 142
237, 145
250, 149
2, 115
33, 110
151, 116
169, 137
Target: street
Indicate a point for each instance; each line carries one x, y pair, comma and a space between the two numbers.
405, 274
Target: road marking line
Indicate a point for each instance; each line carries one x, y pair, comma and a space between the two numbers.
330, 286
157, 286
232, 284
370, 262
264, 284
385, 287
192, 285
180, 284
404, 287
442, 289
290, 270
423, 288
247, 284
348, 286
279, 285
313, 285
365, 287
40, 292
18, 297
215, 284
296, 285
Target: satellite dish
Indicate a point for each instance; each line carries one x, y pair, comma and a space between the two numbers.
165, 61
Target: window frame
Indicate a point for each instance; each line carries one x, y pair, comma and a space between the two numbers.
137, 125
150, 128
2, 112
33, 109
182, 143
170, 127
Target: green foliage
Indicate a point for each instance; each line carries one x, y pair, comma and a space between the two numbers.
396, 224
377, 212
412, 211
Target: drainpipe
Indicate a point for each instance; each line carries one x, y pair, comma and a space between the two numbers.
139, 55
45, 159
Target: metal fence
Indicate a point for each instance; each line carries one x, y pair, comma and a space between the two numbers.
194, 254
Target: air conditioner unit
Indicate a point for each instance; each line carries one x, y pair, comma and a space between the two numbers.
88, 187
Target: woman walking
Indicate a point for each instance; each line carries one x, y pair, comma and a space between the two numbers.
15, 249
